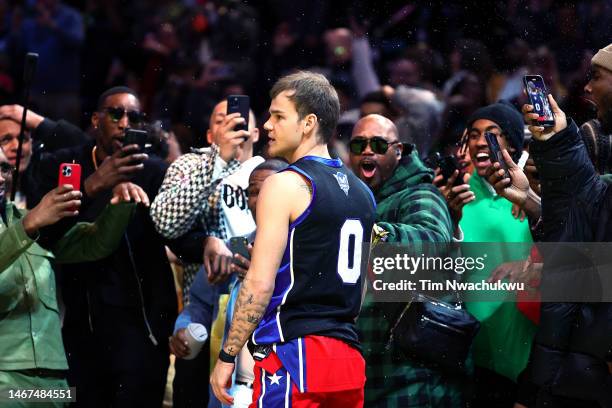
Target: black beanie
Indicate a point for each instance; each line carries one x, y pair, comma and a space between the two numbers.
510, 120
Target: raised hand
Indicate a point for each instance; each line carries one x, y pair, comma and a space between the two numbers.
229, 139
126, 192
58, 203
539, 132
115, 169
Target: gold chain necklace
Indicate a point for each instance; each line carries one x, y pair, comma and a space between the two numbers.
93, 157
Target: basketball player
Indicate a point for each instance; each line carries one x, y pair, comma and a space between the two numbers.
302, 292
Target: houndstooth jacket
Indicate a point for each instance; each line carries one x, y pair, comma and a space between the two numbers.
190, 196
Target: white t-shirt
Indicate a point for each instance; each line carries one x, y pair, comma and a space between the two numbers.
236, 214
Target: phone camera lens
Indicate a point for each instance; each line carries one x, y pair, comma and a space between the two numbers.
67, 171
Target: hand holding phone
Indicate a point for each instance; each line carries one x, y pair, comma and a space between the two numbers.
448, 165
239, 104
240, 245
59, 203
495, 152
538, 98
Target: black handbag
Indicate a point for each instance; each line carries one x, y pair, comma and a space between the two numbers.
435, 332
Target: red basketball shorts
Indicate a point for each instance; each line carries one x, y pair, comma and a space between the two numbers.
313, 371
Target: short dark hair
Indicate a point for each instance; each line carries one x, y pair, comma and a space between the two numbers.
275, 164
114, 91
312, 93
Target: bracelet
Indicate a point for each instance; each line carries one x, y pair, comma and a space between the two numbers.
226, 357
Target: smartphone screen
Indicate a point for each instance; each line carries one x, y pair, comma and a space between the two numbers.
495, 152
240, 104
538, 98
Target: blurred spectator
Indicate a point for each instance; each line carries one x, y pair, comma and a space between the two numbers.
576, 104
508, 84
377, 102
404, 71
462, 98
55, 31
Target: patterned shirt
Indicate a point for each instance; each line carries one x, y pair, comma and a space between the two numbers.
190, 196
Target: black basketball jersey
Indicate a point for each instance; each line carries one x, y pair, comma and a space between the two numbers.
318, 284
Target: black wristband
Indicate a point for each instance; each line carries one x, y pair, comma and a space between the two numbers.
226, 357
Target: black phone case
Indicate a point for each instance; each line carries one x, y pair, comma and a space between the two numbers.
133, 136
448, 165
238, 245
496, 152
240, 104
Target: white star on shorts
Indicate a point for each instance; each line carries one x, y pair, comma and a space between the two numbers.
274, 379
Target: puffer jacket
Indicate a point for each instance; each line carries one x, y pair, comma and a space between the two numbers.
574, 340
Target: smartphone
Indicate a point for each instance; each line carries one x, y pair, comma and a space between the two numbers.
134, 136
240, 104
70, 173
448, 165
433, 160
495, 152
538, 98
239, 245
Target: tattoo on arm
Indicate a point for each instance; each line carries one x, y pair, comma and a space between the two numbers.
248, 313
306, 186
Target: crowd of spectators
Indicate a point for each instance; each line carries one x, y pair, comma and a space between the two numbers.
412, 80
183, 56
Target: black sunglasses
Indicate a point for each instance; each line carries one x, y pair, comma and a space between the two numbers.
377, 143
116, 114
6, 169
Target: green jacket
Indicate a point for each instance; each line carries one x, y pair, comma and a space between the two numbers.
30, 334
413, 211
504, 340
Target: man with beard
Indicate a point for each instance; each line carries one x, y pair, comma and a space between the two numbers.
413, 212
597, 133
119, 315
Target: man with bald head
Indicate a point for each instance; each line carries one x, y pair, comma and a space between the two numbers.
413, 212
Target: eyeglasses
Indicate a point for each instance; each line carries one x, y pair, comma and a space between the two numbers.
6, 170
116, 114
377, 143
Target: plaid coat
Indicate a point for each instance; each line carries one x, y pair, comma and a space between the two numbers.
413, 211
190, 196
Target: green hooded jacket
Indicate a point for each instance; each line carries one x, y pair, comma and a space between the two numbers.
413, 211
